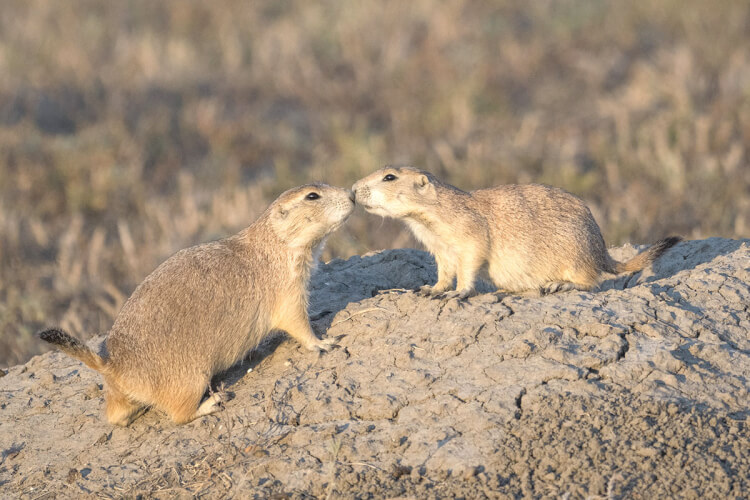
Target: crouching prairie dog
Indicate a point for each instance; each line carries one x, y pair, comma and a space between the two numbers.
205, 307
519, 237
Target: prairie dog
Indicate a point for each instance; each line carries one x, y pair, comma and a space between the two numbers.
519, 237
205, 307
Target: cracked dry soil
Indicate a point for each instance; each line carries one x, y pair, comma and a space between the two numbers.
639, 389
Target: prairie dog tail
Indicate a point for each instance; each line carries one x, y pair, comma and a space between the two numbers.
73, 347
646, 257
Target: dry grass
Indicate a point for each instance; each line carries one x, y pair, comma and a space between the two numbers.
131, 129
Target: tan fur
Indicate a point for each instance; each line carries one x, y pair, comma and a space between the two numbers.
519, 237
205, 307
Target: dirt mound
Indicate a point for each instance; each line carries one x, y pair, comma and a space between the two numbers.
639, 389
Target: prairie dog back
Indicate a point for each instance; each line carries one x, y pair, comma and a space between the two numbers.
519, 237
206, 306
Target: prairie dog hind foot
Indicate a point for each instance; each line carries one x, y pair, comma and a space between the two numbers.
558, 286
445, 294
324, 345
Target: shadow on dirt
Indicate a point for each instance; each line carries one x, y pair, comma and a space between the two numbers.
339, 283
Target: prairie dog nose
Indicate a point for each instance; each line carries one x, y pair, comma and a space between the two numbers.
359, 191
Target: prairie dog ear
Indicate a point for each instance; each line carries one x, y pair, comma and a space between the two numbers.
424, 186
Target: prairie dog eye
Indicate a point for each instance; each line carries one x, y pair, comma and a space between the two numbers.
389, 177
312, 196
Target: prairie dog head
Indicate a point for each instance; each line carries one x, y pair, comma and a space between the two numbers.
304, 216
395, 191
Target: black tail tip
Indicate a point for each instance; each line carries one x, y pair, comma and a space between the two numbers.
57, 336
669, 242
662, 246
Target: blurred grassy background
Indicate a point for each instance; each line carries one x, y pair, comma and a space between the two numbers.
131, 129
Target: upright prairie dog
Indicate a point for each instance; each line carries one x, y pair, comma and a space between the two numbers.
205, 307
519, 237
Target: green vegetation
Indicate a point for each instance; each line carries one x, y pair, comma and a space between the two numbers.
131, 129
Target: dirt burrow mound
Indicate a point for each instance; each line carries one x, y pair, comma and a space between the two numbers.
638, 389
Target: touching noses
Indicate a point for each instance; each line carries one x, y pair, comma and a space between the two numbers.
355, 186
357, 191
